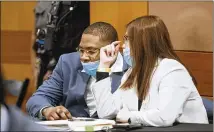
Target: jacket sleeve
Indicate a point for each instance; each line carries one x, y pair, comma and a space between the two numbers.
49, 93
108, 104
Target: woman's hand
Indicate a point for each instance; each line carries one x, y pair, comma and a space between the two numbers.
123, 115
108, 54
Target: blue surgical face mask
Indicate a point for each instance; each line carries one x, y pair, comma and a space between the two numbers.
91, 67
127, 57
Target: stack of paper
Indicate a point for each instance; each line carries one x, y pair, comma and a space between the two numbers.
58, 125
95, 125
79, 124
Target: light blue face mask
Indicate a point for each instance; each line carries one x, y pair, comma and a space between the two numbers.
91, 67
127, 57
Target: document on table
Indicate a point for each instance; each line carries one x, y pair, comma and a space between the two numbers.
58, 125
54, 123
78, 124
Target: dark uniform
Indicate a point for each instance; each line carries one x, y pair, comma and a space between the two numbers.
59, 26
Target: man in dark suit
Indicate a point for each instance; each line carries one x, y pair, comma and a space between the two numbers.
12, 119
68, 90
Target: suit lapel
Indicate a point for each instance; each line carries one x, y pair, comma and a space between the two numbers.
82, 81
82, 77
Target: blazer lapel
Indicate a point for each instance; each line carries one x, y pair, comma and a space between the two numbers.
117, 76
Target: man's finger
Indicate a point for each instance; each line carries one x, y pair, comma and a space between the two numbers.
61, 113
58, 110
50, 118
63, 116
55, 116
64, 113
67, 113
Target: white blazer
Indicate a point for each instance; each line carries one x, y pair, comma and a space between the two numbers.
172, 97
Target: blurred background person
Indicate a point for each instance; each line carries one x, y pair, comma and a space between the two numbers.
58, 29
12, 119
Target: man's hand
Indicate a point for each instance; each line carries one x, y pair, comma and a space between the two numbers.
56, 113
108, 54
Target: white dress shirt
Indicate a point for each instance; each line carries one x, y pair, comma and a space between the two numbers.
172, 97
89, 97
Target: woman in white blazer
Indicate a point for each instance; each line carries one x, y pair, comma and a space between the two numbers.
157, 89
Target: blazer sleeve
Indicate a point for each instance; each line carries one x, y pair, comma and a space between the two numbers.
108, 104
49, 93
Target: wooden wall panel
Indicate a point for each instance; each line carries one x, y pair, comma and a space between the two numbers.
189, 23
16, 46
117, 13
17, 15
201, 66
190, 28
17, 25
16, 71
